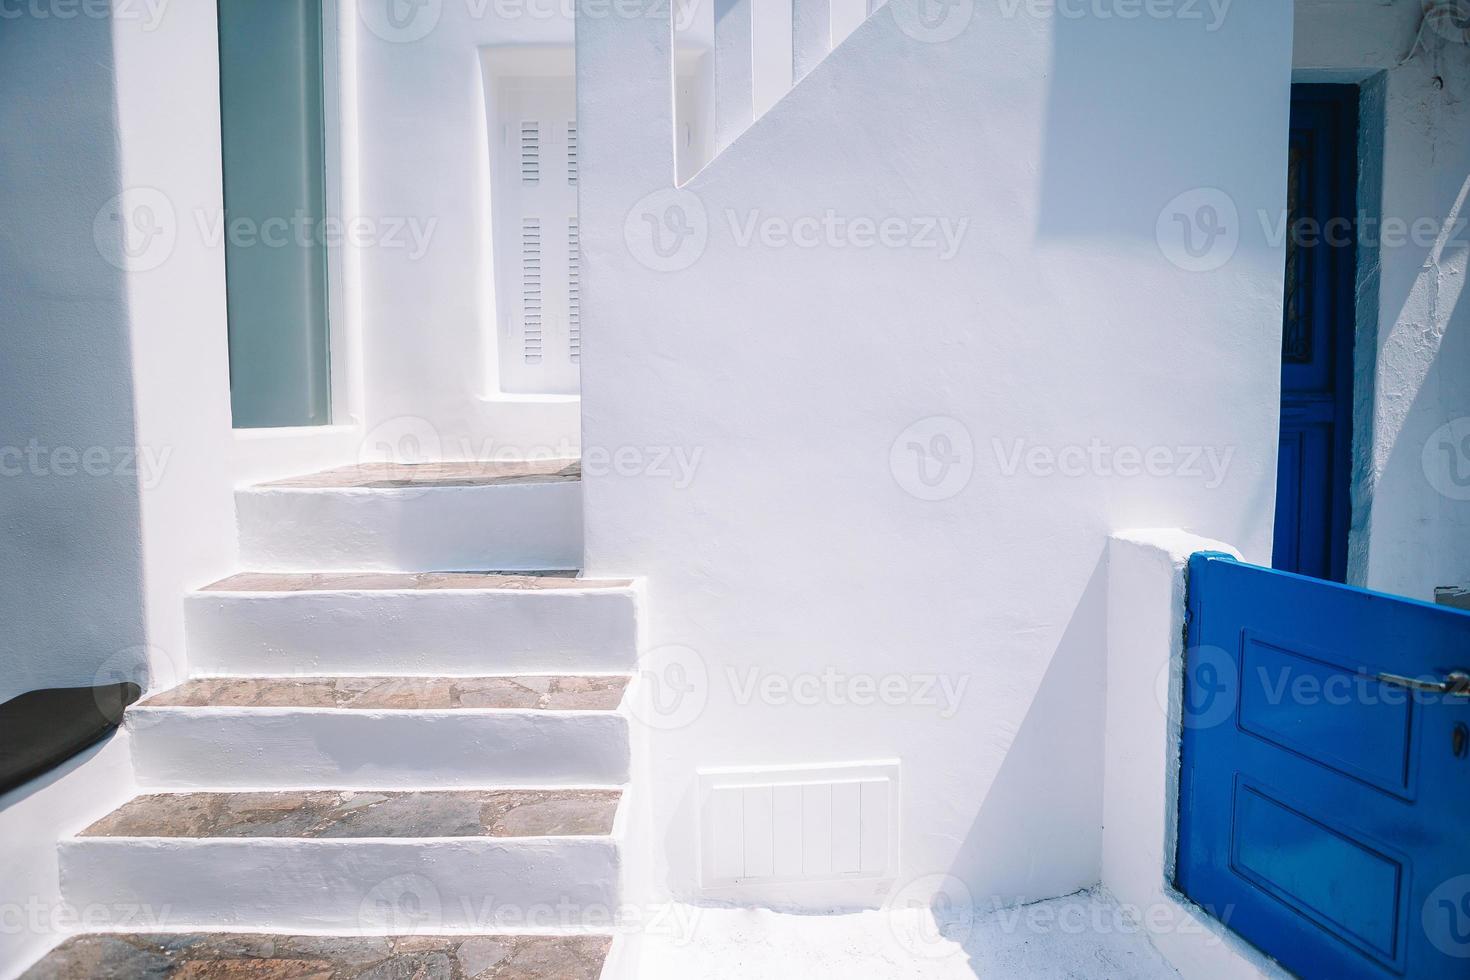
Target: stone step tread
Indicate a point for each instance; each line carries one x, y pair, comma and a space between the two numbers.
344, 814
523, 691
221, 955
547, 581
390, 476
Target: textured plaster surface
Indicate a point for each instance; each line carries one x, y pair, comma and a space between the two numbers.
1411, 473
1080, 936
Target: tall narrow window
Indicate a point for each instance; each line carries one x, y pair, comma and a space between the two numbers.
273, 140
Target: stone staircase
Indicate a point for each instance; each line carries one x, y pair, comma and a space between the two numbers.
387, 765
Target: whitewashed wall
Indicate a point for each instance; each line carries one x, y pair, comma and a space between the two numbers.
167, 77
807, 539
114, 366
69, 532
429, 308
33, 818
1412, 438
72, 569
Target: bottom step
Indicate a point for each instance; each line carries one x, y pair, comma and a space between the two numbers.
471, 862
224, 955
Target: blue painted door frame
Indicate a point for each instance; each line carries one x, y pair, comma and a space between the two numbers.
1313, 506
1324, 808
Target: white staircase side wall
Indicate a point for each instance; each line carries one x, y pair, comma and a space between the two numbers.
515, 527
369, 886
440, 633
33, 820
319, 748
1028, 292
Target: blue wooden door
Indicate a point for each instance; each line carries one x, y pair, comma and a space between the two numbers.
1324, 802
1312, 503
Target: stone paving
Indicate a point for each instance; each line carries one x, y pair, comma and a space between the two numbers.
319, 814
540, 692
387, 476
247, 957
407, 581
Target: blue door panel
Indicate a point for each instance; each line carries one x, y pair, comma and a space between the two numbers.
1324, 813
1321, 872
1305, 702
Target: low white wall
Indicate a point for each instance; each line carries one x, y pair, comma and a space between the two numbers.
859, 504
1411, 514
1145, 682
33, 914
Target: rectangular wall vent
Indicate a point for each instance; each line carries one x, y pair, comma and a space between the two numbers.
572, 152
574, 289
798, 824
530, 152
531, 289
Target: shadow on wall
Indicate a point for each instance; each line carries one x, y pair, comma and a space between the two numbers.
1419, 525
1100, 180
1064, 720
1420, 536
70, 556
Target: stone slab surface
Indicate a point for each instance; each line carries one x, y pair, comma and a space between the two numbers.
248, 957
526, 692
375, 476
408, 581
330, 814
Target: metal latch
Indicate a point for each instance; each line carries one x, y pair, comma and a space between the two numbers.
1455, 684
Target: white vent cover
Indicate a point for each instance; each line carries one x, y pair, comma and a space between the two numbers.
798, 824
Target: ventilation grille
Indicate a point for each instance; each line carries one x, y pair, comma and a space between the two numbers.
531, 152
799, 824
531, 290
574, 290
572, 152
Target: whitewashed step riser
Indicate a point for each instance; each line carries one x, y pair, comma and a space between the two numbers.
441, 633
373, 886
511, 527
293, 748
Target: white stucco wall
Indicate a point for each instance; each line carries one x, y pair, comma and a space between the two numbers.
115, 371
803, 542
167, 78
1147, 572
429, 313
33, 914
70, 552
1412, 440
72, 568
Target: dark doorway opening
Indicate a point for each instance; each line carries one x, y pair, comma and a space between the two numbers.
1313, 503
